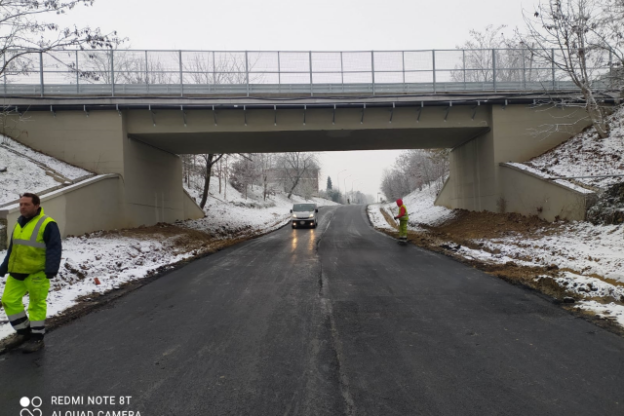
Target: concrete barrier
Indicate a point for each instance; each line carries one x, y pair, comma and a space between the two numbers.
192, 209
444, 197
91, 205
529, 194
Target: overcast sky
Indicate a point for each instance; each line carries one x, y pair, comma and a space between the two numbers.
304, 25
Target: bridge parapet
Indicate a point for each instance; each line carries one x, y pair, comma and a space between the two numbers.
155, 73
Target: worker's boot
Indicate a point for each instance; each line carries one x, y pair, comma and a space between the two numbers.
23, 336
32, 345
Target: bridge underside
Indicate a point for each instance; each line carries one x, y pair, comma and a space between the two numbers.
273, 131
309, 141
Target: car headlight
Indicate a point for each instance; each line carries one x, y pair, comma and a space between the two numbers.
294, 215
312, 215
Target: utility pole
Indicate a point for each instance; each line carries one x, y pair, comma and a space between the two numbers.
344, 181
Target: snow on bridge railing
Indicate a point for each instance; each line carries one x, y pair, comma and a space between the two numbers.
219, 73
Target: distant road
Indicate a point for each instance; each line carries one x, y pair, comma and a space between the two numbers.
340, 320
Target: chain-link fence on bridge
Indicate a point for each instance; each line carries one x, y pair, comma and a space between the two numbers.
153, 72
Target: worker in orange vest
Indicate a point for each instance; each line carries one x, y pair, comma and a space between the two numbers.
403, 218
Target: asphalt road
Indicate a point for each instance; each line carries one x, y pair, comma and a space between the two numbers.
340, 320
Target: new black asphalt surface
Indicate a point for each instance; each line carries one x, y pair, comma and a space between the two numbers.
340, 320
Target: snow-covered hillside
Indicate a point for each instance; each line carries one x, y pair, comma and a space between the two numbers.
25, 170
229, 209
420, 209
588, 155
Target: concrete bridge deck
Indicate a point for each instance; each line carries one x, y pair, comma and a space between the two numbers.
292, 101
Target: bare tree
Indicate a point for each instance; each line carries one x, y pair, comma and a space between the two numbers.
490, 50
611, 39
219, 170
294, 167
25, 38
205, 68
477, 65
209, 159
308, 190
414, 169
334, 195
129, 67
395, 184
22, 33
222, 170
266, 167
423, 166
244, 174
574, 30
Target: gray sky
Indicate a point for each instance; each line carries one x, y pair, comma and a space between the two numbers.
304, 25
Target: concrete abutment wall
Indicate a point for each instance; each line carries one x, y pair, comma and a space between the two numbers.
529, 194
147, 190
518, 133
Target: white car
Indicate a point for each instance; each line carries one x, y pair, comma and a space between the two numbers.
304, 215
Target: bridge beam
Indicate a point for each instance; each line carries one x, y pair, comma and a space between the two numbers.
325, 129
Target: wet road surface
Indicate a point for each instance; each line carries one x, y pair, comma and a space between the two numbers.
339, 320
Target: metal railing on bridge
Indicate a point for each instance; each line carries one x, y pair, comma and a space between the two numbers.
246, 73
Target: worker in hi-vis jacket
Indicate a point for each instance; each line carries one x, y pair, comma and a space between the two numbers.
33, 258
403, 218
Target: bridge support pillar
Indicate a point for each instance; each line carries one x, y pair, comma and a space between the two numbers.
151, 190
517, 134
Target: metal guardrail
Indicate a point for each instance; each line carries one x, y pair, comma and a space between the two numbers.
153, 72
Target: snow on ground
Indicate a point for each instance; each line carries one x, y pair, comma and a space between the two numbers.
69, 171
588, 155
114, 259
22, 175
230, 209
580, 247
609, 310
420, 209
584, 249
590, 258
543, 174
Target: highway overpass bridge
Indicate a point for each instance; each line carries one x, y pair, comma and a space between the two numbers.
134, 119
